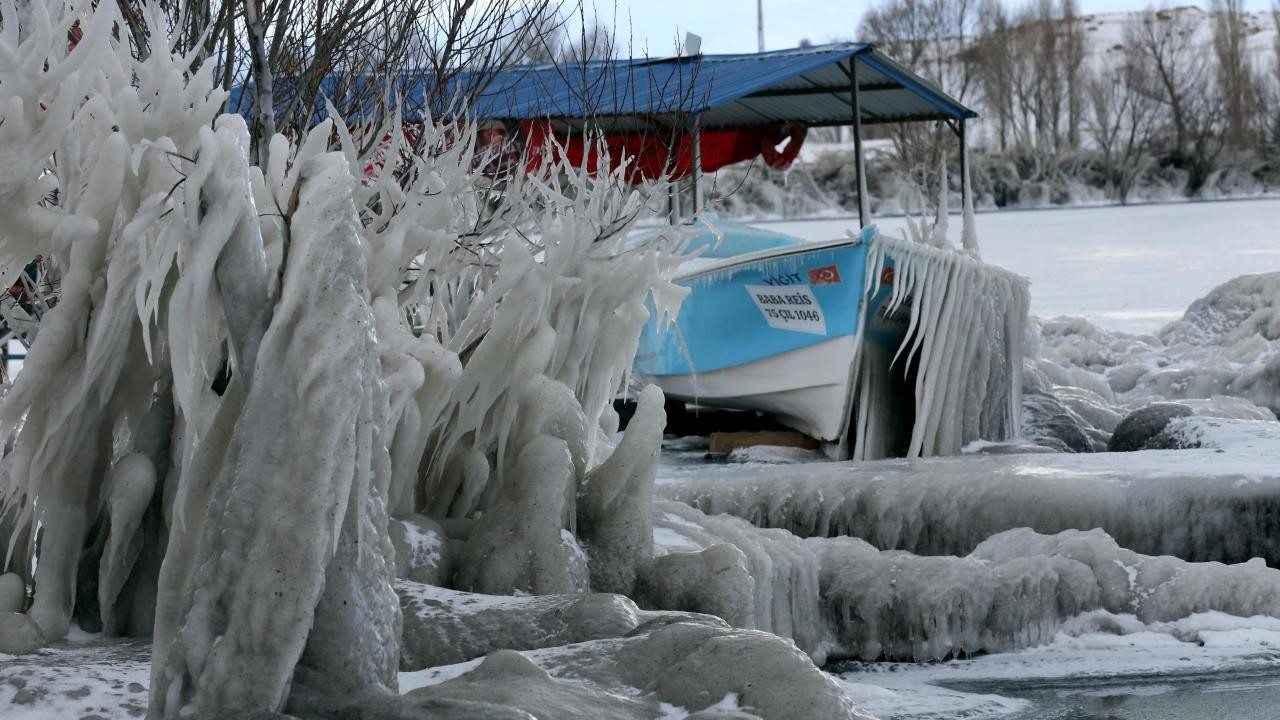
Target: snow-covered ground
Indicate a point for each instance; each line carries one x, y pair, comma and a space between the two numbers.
1124, 268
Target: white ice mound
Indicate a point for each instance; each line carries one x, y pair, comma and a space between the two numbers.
1226, 344
444, 627
1219, 502
664, 669
1014, 590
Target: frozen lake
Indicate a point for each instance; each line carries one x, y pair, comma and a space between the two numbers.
1126, 268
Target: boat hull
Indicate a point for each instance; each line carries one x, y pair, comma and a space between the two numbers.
775, 331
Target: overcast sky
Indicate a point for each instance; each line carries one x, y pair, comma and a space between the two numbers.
730, 25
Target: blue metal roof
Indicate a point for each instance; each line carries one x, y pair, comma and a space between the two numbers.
803, 84
810, 85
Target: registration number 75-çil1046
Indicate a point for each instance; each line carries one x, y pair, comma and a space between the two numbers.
793, 307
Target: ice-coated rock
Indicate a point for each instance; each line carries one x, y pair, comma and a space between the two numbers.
507, 681
695, 666
19, 634
422, 548
784, 587
1143, 424
1046, 421
1228, 408
1225, 345
689, 665
13, 593
442, 627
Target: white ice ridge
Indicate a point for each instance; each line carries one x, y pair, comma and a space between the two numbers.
964, 343
1218, 502
1014, 590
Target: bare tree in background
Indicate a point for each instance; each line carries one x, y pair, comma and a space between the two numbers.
1179, 76
1235, 71
296, 54
1274, 111
936, 39
994, 52
1120, 122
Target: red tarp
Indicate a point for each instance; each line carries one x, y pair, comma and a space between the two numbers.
647, 152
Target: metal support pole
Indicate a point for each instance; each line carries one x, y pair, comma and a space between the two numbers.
964, 165
760, 24
860, 167
696, 152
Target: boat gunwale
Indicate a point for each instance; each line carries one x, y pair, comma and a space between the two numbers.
765, 255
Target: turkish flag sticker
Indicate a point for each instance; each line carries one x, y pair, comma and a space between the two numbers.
828, 275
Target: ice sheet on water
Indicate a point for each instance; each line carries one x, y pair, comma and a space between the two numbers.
1100, 645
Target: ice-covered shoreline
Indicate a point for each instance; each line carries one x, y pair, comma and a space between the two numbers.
1195, 503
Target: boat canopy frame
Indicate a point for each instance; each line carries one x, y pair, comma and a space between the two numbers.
836, 85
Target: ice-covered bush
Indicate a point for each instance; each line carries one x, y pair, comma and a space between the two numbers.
249, 368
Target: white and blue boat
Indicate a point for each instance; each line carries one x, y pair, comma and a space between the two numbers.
822, 337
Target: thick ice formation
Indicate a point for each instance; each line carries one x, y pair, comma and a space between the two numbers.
443, 627
1200, 504
665, 668
963, 351
249, 366
276, 558
1014, 590
613, 509
1221, 359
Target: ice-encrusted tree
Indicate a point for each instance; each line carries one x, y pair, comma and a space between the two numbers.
248, 368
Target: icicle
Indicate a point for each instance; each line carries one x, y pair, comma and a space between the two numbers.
963, 339
938, 236
969, 232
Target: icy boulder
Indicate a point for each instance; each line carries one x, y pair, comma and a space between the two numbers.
714, 580
1141, 426
1048, 422
709, 579
1231, 313
1227, 344
663, 669
443, 627
19, 634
